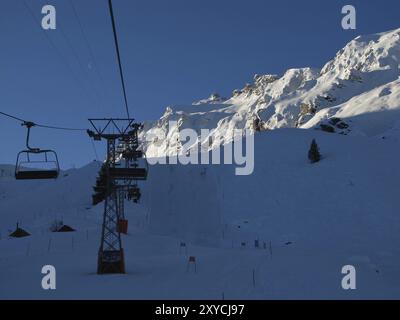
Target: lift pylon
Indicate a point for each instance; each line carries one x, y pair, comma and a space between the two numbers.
111, 185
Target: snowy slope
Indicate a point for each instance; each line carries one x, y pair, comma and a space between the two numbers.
317, 219
374, 113
290, 100
71, 192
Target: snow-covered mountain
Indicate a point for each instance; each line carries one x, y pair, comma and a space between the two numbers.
362, 79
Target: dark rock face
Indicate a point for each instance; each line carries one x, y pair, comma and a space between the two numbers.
327, 128
335, 125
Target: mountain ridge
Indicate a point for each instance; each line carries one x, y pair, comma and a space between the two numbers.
299, 98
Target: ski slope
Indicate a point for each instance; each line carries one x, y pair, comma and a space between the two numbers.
314, 220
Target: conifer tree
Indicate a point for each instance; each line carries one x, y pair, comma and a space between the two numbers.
313, 153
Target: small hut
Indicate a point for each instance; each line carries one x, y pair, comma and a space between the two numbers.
19, 233
66, 228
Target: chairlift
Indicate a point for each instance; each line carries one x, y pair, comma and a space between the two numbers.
120, 148
133, 171
28, 169
134, 194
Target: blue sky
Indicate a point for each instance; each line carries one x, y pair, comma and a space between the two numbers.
173, 52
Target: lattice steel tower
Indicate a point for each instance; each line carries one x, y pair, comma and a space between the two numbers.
111, 187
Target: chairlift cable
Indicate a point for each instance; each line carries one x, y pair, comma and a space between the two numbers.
82, 86
80, 64
118, 56
12, 117
88, 45
94, 150
25, 122
59, 128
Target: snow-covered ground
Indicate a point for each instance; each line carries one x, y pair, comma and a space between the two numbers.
317, 219
308, 220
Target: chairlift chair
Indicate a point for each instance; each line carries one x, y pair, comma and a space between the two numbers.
134, 194
41, 171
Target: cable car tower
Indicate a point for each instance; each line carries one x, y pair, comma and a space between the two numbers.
118, 173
